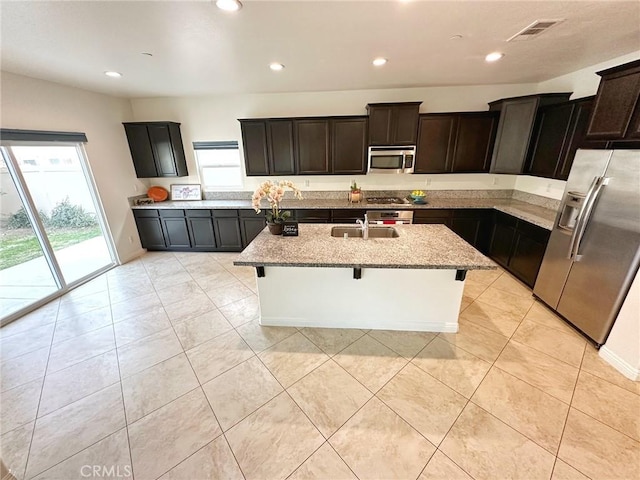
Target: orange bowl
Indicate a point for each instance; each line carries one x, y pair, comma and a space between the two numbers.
158, 194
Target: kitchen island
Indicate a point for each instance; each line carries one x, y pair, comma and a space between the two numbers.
412, 282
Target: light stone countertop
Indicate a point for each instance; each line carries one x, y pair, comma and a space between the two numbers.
417, 247
540, 216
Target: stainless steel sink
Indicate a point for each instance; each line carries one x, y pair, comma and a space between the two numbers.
374, 232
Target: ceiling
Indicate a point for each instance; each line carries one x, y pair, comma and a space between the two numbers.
325, 45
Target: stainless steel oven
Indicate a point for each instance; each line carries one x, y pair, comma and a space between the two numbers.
391, 159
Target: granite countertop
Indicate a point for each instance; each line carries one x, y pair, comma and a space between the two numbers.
540, 216
416, 247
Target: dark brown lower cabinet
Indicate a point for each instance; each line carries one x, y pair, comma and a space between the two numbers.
150, 229
432, 216
176, 231
311, 216
227, 229
474, 226
251, 224
347, 215
518, 246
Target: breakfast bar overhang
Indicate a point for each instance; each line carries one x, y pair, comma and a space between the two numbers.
411, 282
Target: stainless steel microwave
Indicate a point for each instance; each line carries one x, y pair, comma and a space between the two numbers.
391, 159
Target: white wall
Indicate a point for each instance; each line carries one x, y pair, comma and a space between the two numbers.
583, 82
622, 349
216, 118
33, 104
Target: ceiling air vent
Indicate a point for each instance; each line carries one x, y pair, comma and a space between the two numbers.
533, 30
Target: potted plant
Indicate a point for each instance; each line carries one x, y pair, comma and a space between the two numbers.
274, 191
356, 194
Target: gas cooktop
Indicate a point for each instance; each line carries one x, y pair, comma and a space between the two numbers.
387, 200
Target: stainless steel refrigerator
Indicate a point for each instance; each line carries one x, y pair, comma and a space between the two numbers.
593, 252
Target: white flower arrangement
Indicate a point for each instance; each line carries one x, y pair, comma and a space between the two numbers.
274, 192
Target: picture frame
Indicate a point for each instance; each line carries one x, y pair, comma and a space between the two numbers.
186, 191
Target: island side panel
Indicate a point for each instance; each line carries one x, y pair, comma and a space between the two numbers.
384, 299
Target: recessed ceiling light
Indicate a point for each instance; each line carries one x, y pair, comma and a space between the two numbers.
494, 57
378, 62
113, 74
276, 66
229, 5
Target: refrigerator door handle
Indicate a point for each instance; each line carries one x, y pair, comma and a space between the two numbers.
601, 182
578, 224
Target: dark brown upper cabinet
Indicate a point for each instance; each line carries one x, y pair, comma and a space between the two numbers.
455, 142
436, 139
617, 104
393, 123
558, 133
515, 127
268, 147
349, 145
312, 146
156, 149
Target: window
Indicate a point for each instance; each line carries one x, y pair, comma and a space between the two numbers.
219, 165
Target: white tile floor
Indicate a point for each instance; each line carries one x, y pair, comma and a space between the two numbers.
158, 369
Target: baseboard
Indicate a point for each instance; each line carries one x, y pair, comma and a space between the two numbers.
406, 325
619, 364
132, 256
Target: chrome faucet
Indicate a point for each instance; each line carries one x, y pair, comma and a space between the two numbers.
365, 227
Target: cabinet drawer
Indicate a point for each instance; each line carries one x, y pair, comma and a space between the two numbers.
312, 216
198, 213
533, 232
145, 213
347, 215
171, 213
505, 219
224, 213
250, 213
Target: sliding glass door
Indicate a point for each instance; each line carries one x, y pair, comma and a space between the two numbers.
53, 231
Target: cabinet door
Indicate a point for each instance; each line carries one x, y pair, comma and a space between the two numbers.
474, 226
178, 150
514, 131
227, 229
312, 144
250, 227
202, 233
436, 135
151, 234
162, 150
141, 152
281, 153
615, 102
380, 124
528, 251
349, 145
576, 136
404, 124
502, 238
552, 130
176, 232
475, 137
254, 143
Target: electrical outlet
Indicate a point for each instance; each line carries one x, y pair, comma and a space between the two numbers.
548, 187
495, 180
135, 188
428, 182
130, 239
306, 183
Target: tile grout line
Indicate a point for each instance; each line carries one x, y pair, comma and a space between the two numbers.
124, 409
35, 420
